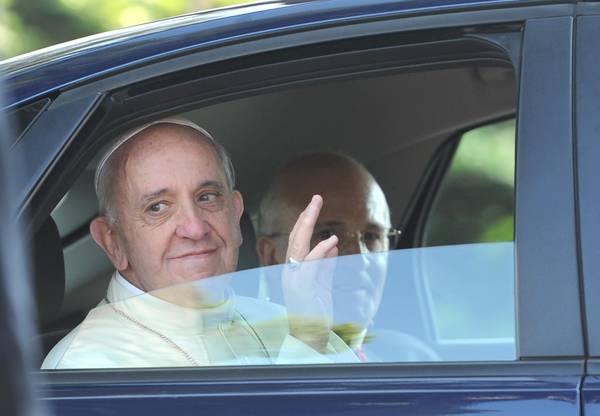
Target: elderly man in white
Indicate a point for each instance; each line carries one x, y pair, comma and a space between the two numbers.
169, 222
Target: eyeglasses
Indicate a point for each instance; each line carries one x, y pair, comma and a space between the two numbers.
373, 240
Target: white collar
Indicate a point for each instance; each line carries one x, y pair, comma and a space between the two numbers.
165, 316
127, 286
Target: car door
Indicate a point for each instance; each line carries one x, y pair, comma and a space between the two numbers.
545, 372
16, 323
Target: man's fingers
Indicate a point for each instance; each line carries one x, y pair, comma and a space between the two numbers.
324, 249
299, 241
332, 253
316, 199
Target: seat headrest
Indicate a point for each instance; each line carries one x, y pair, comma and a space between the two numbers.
48, 271
248, 259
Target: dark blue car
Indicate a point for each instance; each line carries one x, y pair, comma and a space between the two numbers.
478, 120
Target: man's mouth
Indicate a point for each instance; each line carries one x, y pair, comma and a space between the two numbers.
196, 254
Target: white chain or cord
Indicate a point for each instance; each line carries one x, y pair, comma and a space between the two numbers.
155, 332
174, 345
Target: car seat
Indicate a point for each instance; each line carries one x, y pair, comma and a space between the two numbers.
49, 284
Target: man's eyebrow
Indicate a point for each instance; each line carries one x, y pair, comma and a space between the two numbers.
149, 197
331, 223
212, 184
153, 195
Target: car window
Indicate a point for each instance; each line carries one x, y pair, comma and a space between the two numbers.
365, 145
475, 202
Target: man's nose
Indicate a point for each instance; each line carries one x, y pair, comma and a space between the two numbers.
191, 223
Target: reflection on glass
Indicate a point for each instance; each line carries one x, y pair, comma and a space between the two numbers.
443, 303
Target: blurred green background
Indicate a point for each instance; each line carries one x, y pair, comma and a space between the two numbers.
476, 200
27, 25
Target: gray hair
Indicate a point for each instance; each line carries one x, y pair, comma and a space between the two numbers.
107, 171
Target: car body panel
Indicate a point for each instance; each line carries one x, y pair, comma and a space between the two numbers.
424, 396
16, 302
532, 237
590, 394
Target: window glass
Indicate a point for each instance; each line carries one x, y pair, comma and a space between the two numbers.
338, 310
470, 292
475, 204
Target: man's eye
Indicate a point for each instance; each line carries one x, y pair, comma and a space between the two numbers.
209, 196
157, 207
372, 236
324, 234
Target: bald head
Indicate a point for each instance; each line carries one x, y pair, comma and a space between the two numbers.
352, 198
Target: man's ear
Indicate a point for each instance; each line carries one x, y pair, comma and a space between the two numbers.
238, 204
107, 239
266, 249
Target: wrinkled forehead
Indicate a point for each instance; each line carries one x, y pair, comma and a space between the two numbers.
158, 137
169, 145
154, 155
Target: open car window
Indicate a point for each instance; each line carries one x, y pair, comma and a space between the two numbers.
476, 200
442, 291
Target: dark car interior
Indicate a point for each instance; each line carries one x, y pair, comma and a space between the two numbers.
398, 106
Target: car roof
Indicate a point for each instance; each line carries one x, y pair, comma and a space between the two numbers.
48, 70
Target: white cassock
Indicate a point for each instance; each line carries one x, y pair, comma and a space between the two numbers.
131, 328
